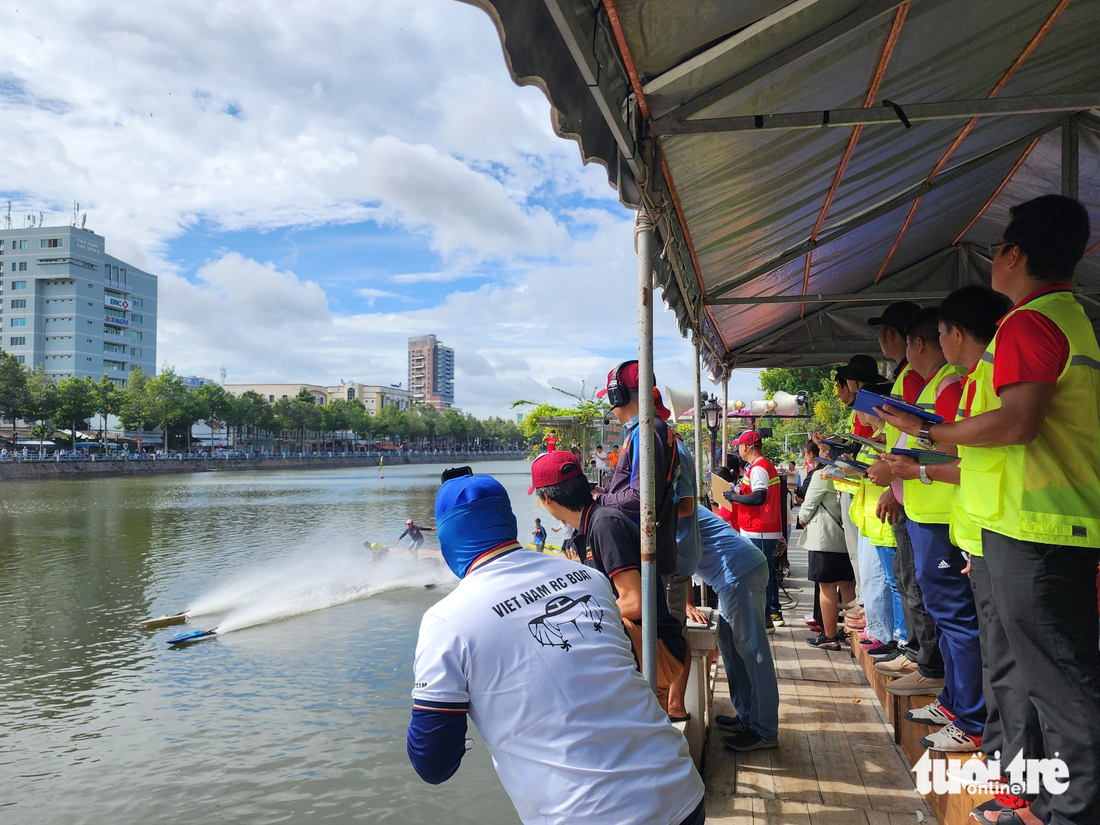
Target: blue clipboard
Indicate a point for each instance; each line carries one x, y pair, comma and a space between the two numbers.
867, 401
925, 456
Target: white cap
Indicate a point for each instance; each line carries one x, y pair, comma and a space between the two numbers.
410, 521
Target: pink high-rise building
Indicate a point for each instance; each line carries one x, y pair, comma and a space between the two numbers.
432, 372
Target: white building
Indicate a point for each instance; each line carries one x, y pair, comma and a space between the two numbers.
73, 309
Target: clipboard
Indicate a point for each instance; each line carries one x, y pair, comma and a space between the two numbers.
718, 486
866, 442
925, 457
849, 465
867, 401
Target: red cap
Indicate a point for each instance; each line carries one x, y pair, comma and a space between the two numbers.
750, 438
659, 405
553, 468
628, 377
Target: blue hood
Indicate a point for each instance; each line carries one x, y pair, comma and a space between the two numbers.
472, 516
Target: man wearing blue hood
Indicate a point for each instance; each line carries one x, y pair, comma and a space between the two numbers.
531, 648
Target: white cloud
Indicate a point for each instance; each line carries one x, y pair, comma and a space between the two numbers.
257, 116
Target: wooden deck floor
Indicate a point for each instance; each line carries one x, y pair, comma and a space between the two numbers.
836, 763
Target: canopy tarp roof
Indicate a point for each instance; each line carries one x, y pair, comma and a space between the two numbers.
841, 202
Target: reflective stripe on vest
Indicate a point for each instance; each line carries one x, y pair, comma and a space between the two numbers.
766, 517
864, 504
845, 485
930, 503
893, 434
1047, 491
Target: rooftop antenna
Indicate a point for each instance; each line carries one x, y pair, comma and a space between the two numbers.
40, 219
222, 373
76, 213
7, 218
83, 219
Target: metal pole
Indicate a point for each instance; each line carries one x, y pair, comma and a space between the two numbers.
697, 420
643, 242
1069, 158
725, 416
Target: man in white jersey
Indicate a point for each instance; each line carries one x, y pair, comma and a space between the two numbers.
531, 647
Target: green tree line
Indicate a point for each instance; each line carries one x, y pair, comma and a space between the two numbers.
166, 403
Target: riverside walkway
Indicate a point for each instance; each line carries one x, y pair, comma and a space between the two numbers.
837, 762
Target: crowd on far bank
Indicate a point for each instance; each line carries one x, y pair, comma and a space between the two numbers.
955, 524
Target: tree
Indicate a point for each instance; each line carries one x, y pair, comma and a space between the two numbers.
13, 390
215, 405
109, 398
136, 412
76, 402
42, 403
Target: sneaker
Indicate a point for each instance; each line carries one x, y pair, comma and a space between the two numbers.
1000, 802
895, 666
777, 619
931, 714
769, 627
730, 724
881, 649
915, 683
809, 619
823, 642
748, 740
950, 739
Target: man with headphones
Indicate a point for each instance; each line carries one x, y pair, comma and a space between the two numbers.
622, 491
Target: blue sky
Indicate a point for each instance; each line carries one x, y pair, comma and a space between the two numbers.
316, 185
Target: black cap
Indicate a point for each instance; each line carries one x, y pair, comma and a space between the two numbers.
896, 316
860, 368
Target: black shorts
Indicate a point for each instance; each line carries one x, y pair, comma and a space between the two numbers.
829, 567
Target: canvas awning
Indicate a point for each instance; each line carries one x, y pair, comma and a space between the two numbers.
804, 158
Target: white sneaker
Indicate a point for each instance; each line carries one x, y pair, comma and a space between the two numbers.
950, 739
931, 714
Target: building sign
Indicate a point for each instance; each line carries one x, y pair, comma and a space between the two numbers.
86, 245
118, 322
117, 303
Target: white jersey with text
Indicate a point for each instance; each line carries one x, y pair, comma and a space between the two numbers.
535, 645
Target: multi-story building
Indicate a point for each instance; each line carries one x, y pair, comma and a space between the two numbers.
432, 372
72, 309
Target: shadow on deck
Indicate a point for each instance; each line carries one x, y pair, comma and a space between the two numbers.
837, 762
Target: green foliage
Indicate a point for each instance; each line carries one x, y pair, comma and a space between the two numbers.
164, 401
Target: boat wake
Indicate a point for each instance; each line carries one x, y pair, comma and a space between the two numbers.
308, 582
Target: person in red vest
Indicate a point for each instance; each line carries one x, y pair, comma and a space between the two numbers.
760, 519
551, 439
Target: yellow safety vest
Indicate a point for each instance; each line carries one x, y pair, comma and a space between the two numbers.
930, 503
1047, 491
965, 533
848, 485
893, 434
864, 504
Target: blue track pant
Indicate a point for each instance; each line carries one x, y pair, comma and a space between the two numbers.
950, 601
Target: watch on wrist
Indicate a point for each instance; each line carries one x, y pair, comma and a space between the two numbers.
924, 474
924, 436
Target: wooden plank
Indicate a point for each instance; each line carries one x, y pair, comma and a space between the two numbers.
886, 777
786, 661
816, 665
786, 812
793, 765
834, 815
839, 779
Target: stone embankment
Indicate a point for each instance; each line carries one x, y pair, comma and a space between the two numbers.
49, 470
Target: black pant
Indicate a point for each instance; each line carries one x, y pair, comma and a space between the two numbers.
696, 817
923, 645
1046, 600
1011, 723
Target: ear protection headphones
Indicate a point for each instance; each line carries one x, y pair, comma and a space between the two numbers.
617, 394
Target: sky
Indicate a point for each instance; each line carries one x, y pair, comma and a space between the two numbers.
315, 183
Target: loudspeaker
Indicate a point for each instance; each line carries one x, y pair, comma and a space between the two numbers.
787, 404
681, 402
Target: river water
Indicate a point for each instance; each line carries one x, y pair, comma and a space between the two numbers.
296, 714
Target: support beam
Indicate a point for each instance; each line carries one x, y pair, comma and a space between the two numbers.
579, 43
883, 115
998, 190
833, 298
643, 241
1070, 148
884, 208
865, 14
697, 420
725, 416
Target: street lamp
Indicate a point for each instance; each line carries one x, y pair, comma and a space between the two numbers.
712, 415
